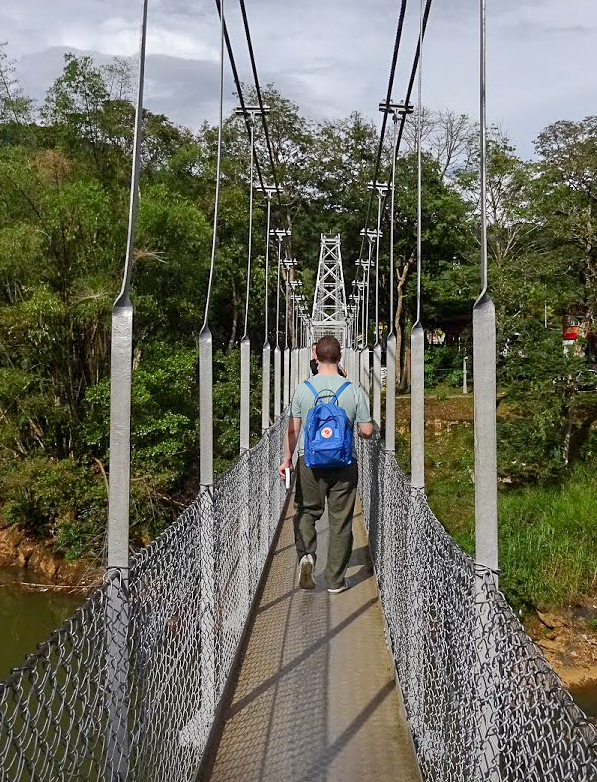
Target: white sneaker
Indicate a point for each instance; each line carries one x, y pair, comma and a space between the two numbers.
344, 586
306, 565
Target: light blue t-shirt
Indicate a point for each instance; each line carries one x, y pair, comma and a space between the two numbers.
352, 400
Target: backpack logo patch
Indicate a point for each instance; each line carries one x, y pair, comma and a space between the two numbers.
326, 432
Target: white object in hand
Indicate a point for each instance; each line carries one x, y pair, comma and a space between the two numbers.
287, 473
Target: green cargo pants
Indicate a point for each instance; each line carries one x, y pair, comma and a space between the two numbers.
313, 487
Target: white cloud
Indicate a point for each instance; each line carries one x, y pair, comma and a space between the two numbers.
576, 16
332, 57
117, 37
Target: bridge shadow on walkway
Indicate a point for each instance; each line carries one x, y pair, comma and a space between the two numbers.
315, 699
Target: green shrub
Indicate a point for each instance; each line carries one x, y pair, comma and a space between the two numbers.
57, 499
443, 365
530, 444
547, 534
449, 464
227, 407
540, 384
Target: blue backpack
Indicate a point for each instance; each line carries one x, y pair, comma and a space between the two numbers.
328, 431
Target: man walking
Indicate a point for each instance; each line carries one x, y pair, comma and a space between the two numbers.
315, 484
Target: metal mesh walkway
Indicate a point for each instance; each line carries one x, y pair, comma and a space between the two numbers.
315, 699
127, 689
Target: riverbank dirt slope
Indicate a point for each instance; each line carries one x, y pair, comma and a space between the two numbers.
19, 551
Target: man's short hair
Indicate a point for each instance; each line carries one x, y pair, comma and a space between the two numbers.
328, 350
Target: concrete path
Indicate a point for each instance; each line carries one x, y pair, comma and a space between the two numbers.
315, 699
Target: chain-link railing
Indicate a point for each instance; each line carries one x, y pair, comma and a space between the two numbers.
482, 702
127, 688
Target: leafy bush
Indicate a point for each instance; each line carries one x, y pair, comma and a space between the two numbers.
547, 534
540, 383
164, 411
56, 499
227, 407
443, 365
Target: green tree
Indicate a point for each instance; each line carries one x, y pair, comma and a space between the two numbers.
565, 197
16, 108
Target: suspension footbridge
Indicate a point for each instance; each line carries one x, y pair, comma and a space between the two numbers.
199, 658
206, 661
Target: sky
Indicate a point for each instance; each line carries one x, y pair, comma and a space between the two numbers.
330, 56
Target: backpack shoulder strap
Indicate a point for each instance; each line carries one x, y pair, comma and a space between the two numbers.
311, 388
341, 389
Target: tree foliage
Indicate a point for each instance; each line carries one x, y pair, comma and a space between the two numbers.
64, 186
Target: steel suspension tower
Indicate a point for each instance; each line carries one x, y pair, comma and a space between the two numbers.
330, 314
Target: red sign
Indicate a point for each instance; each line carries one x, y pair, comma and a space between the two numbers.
570, 332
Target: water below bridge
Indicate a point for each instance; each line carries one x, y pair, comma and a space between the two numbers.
586, 696
28, 616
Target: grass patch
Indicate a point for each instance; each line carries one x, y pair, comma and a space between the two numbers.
449, 466
547, 534
548, 540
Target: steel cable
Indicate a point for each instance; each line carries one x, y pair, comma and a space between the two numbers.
278, 296
392, 200
393, 64
250, 240
419, 162
214, 242
483, 150
136, 163
407, 99
239, 90
259, 97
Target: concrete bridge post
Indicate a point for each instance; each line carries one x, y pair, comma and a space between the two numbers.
390, 430
486, 510
286, 376
417, 407
117, 607
294, 370
245, 394
277, 382
365, 369
266, 384
377, 384
207, 554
